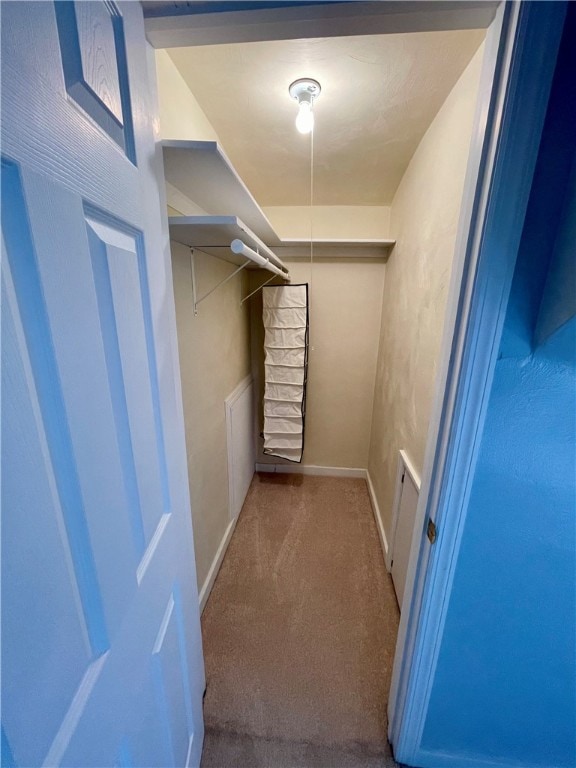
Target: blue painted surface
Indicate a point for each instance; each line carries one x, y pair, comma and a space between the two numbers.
545, 209
558, 305
7, 759
505, 685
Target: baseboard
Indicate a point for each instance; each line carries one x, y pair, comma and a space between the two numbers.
216, 563
311, 469
441, 760
379, 523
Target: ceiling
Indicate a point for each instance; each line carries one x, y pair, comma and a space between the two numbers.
379, 95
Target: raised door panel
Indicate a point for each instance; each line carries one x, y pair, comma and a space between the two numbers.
170, 673
119, 267
44, 622
95, 28
102, 655
93, 51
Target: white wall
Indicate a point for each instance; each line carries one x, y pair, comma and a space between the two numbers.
345, 305
424, 220
214, 349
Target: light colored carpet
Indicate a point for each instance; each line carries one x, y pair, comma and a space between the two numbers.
299, 631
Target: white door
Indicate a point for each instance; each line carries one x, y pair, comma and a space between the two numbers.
403, 534
101, 648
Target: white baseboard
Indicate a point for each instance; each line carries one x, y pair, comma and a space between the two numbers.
311, 469
379, 523
216, 563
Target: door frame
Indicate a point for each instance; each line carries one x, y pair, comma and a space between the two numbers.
516, 76
170, 27
521, 50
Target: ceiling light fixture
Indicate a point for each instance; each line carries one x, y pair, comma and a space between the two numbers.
304, 91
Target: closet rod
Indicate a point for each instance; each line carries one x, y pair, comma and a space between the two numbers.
238, 247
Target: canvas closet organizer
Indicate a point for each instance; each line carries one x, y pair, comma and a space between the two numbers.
285, 317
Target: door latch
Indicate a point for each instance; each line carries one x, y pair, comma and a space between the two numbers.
431, 531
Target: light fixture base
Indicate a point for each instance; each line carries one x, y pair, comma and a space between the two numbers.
305, 89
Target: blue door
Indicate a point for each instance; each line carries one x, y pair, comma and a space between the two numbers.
101, 649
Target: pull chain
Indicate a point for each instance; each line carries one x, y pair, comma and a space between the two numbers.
311, 227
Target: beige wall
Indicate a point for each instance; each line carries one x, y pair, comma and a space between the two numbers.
214, 349
345, 304
181, 117
424, 220
214, 346
346, 222
362, 329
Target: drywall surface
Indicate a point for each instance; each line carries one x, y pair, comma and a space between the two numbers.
424, 221
181, 117
379, 95
345, 222
549, 229
214, 349
504, 686
505, 680
345, 305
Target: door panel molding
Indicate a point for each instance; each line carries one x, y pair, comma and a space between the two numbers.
93, 51
96, 531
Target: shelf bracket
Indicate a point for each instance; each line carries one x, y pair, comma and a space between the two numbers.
199, 300
257, 289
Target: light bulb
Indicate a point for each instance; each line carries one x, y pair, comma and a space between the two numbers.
305, 118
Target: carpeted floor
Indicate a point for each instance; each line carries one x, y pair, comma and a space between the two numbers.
299, 632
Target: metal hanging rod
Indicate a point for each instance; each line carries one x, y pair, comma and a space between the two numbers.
237, 246
253, 257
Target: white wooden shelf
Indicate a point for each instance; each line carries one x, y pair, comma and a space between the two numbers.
336, 249
202, 172
213, 235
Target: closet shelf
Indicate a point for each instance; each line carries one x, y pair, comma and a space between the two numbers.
202, 172
213, 235
335, 248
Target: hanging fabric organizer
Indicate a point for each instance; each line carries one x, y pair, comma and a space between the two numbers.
285, 317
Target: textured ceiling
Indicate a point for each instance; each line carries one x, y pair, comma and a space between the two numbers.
379, 95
